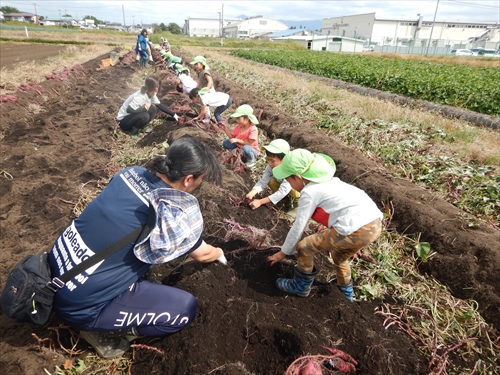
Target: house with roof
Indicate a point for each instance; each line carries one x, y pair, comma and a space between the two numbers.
22, 17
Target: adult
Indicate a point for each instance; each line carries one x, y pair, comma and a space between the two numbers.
111, 302
141, 48
140, 107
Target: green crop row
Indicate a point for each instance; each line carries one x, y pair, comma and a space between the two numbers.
471, 87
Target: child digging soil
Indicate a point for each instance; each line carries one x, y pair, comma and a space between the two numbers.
138, 110
275, 152
352, 219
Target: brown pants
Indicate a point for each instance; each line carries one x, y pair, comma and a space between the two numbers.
340, 247
294, 195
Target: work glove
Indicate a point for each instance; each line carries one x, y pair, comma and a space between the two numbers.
176, 117
222, 259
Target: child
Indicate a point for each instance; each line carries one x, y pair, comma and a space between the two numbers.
352, 218
137, 111
170, 60
244, 135
221, 100
185, 83
204, 77
275, 152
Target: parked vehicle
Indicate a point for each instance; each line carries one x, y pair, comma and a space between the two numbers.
491, 53
462, 52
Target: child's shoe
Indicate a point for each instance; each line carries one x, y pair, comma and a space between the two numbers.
250, 164
206, 119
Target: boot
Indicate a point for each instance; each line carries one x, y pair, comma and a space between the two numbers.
105, 344
299, 285
347, 289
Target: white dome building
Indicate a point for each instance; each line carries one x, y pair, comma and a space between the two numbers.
253, 27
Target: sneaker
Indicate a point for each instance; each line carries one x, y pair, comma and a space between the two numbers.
106, 345
222, 122
250, 164
148, 129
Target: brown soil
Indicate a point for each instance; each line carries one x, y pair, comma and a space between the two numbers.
244, 324
14, 53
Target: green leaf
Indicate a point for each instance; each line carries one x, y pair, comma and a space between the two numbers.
391, 277
80, 366
423, 249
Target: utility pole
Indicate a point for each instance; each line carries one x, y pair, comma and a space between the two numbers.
123, 11
59, 14
222, 26
133, 21
36, 15
432, 28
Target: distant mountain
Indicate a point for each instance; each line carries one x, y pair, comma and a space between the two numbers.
309, 24
243, 17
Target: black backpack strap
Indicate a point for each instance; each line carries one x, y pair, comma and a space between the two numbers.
138, 234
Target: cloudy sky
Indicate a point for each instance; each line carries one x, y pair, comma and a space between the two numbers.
166, 11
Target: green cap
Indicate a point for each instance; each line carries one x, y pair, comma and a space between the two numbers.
313, 167
278, 146
200, 59
245, 110
181, 68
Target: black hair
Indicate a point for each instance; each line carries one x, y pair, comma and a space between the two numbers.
186, 72
188, 156
279, 156
194, 93
144, 31
150, 84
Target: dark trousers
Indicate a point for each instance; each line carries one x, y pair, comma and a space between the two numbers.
138, 120
152, 309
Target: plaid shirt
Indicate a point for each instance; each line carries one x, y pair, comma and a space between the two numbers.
178, 227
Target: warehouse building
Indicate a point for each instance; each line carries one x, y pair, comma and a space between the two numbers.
414, 33
206, 26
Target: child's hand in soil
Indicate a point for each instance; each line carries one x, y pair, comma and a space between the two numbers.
255, 204
276, 257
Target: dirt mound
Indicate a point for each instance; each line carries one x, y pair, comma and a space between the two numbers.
54, 143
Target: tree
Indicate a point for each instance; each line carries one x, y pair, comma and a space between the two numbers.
96, 21
163, 27
174, 28
41, 18
8, 10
